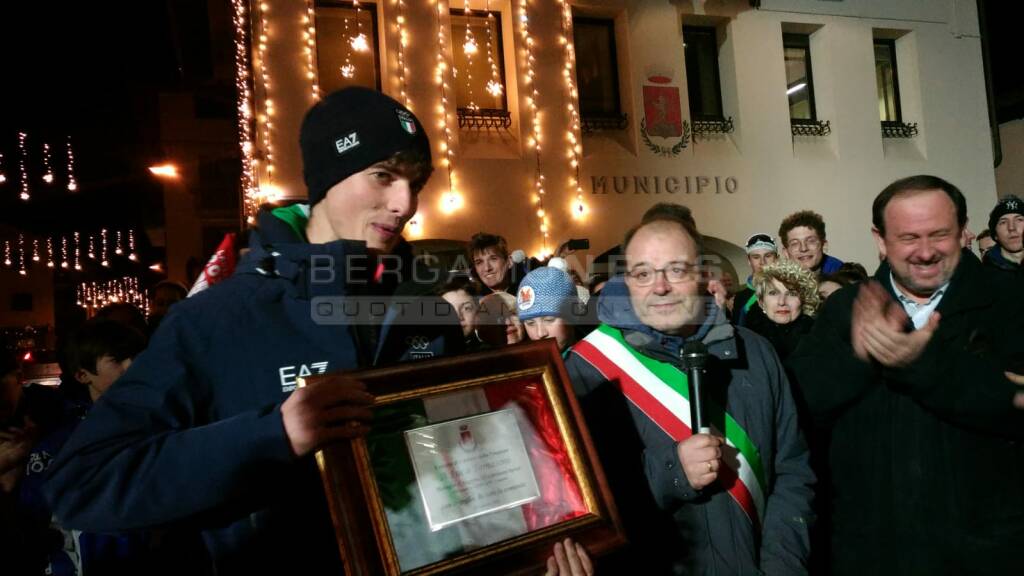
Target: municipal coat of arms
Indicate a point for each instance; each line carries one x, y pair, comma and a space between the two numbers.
663, 129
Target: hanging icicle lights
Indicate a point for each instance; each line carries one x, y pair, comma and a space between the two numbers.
131, 246
403, 42
534, 140
348, 70
70, 249
451, 200
243, 92
72, 183
78, 252
25, 193
21, 255
359, 42
494, 87
47, 165
267, 117
578, 209
469, 48
95, 295
103, 249
309, 47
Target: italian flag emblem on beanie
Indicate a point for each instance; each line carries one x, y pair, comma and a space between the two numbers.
405, 119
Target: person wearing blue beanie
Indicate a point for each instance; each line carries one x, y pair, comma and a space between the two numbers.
546, 301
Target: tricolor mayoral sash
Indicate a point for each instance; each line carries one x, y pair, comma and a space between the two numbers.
661, 391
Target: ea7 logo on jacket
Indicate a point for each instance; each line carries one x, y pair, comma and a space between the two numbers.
290, 373
347, 143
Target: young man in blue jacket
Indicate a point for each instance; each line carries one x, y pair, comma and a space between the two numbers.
207, 428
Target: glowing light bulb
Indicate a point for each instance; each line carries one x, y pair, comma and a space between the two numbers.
359, 43
348, 70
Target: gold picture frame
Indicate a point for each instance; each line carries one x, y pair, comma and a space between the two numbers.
358, 474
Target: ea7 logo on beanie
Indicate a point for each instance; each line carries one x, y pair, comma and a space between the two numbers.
347, 143
405, 119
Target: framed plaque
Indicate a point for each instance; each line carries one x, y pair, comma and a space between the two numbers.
473, 463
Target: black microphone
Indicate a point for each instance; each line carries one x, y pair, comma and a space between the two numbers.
695, 357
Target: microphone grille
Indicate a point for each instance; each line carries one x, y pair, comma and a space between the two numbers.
694, 354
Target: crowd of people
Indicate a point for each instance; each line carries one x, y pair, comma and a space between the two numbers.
858, 424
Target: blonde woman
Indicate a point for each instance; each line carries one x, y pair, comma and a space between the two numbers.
787, 298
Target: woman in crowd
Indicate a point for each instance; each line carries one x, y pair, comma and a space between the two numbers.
849, 273
787, 298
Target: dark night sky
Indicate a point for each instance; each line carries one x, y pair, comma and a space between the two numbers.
93, 70
88, 70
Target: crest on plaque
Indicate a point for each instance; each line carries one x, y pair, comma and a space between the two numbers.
663, 129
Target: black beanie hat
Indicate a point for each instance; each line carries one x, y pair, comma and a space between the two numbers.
350, 130
1007, 205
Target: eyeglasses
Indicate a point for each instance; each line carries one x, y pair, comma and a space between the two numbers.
810, 243
674, 274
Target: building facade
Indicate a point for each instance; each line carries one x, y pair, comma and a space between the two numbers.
743, 114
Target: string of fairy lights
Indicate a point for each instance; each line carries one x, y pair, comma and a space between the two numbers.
535, 137
403, 43
258, 158
95, 295
72, 183
355, 43
49, 175
309, 48
47, 164
359, 42
243, 91
578, 207
451, 200
494, 86
469, 48
26, 193
348, 70
23, 252
267, 116
415, 225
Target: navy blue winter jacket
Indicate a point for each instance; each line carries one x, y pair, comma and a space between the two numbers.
192, 434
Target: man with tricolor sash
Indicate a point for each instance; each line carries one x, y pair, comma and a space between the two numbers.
736, 500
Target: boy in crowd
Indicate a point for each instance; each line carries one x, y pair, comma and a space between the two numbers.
761, 251
985, 241
1006, 221
462, 293
99, 353
492, 263
549, 306
803, 238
